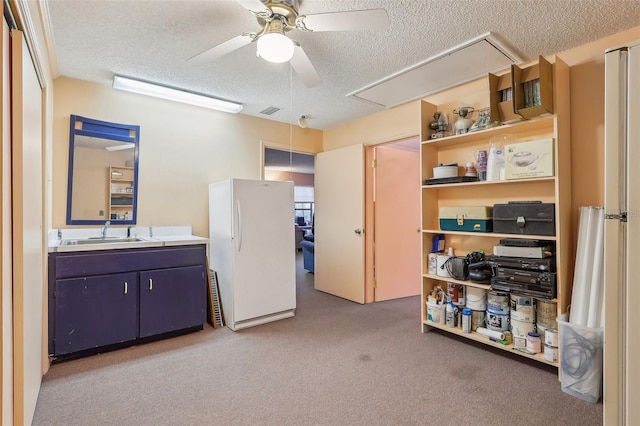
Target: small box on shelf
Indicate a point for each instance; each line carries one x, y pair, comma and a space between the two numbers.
533, 89
501, 99
529, 159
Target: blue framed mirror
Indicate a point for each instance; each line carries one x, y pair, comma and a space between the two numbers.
103, 172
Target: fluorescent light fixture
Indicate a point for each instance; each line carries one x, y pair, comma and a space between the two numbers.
125, 145
164, 92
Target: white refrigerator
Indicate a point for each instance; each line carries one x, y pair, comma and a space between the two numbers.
622, 235
252, 250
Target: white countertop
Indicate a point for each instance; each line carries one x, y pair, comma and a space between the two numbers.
62, 240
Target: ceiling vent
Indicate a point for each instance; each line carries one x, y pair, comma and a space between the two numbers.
270, 110
461, 64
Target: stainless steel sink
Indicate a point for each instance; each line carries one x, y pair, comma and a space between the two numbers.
100, 240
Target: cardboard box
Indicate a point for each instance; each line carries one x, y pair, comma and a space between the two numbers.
529, 159
540, 80
502, 109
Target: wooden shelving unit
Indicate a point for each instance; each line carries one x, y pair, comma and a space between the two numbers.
555, 189
121, 181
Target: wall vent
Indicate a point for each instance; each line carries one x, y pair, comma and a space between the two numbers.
270, 110
460, 64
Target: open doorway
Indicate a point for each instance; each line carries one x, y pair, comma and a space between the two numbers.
285, 165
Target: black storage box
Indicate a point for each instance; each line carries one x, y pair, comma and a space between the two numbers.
525, 217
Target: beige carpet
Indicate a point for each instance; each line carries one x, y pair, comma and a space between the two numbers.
334, 363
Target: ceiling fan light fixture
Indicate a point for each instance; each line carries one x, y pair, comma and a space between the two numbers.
273, 45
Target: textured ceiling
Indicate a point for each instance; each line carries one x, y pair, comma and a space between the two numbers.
151, 40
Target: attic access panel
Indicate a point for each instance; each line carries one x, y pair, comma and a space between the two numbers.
461, 64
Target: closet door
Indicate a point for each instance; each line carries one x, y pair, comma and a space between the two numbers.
6, 308
28, 234
397, 223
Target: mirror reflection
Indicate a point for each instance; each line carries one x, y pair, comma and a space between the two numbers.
103, 170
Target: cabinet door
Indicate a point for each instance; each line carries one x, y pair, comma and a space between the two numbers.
171, 299
94, 311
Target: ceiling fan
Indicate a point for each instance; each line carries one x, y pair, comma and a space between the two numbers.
276, 17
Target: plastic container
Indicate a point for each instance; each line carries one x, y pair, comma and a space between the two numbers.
466, 320
435, 313
432, 263
438, 243
533, 343
580, 360
443, 171
451, 315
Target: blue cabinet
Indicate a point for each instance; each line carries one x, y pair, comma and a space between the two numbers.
95, 311
170, 301
104, 298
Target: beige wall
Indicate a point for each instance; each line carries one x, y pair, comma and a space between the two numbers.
389, 125
182, 149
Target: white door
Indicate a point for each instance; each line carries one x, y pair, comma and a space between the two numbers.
632, 337
622, 239
339, 221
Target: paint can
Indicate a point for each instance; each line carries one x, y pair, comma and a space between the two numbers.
497, 321
519, 342
522, 308
435, 313
441, 267
551, 337
498, 301
551, 353
477, 319
476, 298
522, 328
456, 293
542, 331
547, 312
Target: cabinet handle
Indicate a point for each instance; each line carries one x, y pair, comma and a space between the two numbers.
126, 286
150, 284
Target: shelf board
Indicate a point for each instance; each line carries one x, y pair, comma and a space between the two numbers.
540, 123
484, 339
453, 280
490, 234
492, 182
117, 206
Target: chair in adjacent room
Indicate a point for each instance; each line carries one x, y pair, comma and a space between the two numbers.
308, 248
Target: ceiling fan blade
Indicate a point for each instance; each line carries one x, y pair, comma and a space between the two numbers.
254, 6
221, 49
304, 68
345, 21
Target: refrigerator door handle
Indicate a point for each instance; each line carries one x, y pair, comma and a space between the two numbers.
239, 221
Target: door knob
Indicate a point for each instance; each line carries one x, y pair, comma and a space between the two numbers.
358, 231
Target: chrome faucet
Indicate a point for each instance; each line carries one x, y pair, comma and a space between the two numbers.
105, 228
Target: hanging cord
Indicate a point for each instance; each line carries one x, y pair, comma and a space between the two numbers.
291, 120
